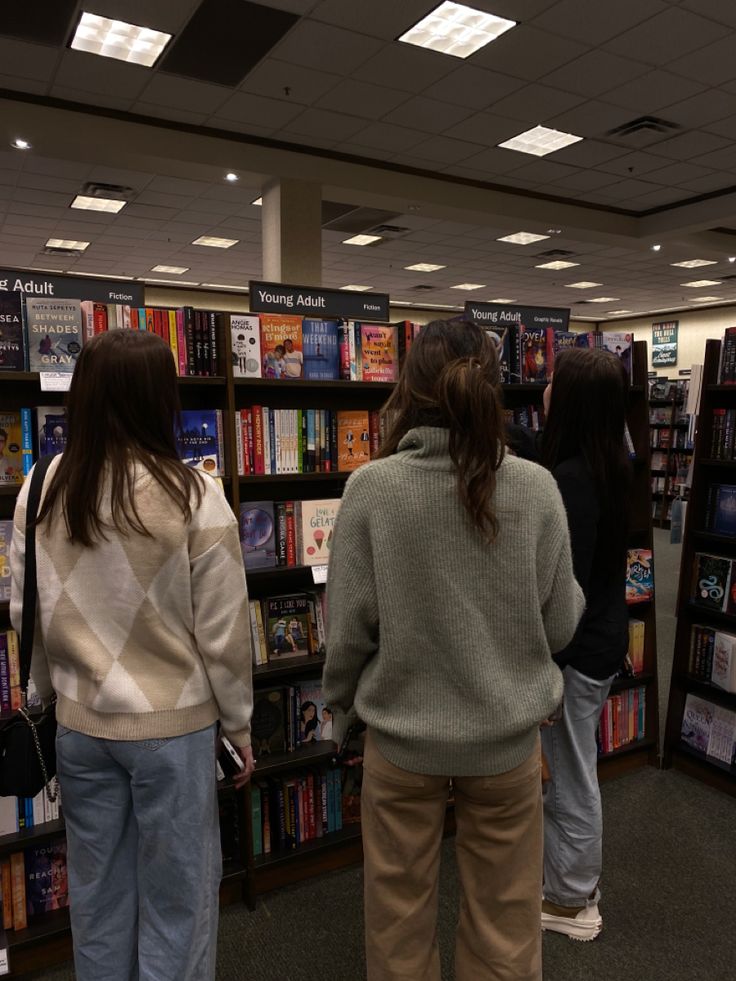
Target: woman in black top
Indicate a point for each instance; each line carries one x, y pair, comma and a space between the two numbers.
583, 445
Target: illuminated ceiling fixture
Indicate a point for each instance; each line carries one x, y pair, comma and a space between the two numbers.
362, 240
231, 177
67, 243
582, 285
468, 286
424, 267
617, 313
695, 263
706, 299
557, 264
539, 142
522, 238
258, 202
119, 40
656, 248
214, 242
84, 203
356, 289
700, 283
603, 299
456, 29
19, 144
501, 299
174, 270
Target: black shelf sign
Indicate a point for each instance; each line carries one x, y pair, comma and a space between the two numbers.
72, 287
530, 318
306, 301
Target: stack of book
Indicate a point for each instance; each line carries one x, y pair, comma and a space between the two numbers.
713, 656
709, 729
287, 812
33, 882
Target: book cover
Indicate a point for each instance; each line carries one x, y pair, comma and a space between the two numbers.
379, 352
6, 534
639, 575
11, 448
321, 349
537, 354
711, 581
288, 626
697, 720
52, 429
585, 339
564, 339
619, 344
268, 723
18, 888
353, 439
12, 350
54, 334
722, 509
722, 741
199, 440
315, 716
281, 346
507, 340
723, 670
245, 332
317, 525
46, 878
258, 534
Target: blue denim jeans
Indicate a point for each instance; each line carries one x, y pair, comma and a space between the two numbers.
573, 818
144, 855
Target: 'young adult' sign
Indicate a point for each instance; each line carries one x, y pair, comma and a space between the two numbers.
501, 315
37, 284
309, 302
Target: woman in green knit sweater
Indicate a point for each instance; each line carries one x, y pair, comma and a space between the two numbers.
450, 587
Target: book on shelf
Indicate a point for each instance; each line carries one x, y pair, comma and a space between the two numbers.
281, 346
379, 352
712, 582
507, 339
620, 344
353, 439
623, 720
16, 445
315, 715
720, 514
47, 886
537, 354
292, 810
10, 693
321, 349
18, 890
709, 729
660, 415
245, 333
54, 331
317, 526
52, 429
564, 339
713, 656
23, 813
727, 362
291, 626
724, 428
636, 645
406, 333
639, 575
6, 536
268, 722
199, 440
258, 534
12, 343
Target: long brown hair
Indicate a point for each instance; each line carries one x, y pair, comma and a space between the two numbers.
587, 418
121, 410
451, 379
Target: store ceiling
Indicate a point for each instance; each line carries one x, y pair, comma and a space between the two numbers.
332, 76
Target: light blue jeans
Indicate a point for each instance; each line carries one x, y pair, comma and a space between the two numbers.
573, 818
144, 855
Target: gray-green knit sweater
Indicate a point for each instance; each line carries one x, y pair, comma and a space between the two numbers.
439, 640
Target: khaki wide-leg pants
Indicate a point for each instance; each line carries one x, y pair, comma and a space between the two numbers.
499, 848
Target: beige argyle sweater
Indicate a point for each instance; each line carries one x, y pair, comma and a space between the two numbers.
142, 638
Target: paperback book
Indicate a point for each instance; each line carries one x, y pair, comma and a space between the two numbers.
537, 354
619, 344
52, 429
711, 581
720, 517
281, 346
6, 536
12, 348
639, 575
11, 448
54, 334
321, 349
47, 886
315, 717
288, 626
317, 526
258, 534
353, 439
200, 442
507, 339
268, 723
379, 352
245, 332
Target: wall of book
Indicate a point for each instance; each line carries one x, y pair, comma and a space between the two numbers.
701, 718
671, 446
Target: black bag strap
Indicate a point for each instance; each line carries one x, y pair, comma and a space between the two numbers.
30, 586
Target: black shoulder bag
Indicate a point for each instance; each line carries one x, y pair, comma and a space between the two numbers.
28, 741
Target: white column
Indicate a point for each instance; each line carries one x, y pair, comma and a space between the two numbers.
291, 223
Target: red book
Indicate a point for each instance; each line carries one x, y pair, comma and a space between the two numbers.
150, 320
258, 461
134, 318
7, 892
100, 318
374, 432
290, 534
18, 889
243, 437
181, 343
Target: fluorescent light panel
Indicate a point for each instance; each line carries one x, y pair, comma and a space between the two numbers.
522, 238
699, 283
168, 282
695, 263
456, 29
213, 242
67, 243
20, 144
174, 270
356, 289
501, 299
361, 240
603, 299
225, 286
706, 299
84, 203
557, 264
120, 40
540, 141
617, 313
582, 285
468, 286
424, 267
258, 202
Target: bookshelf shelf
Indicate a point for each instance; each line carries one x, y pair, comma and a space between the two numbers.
349, 833
695, 612
307, 384
41, 927
290, 478
640, 746
714, 772
24, 839
278, 572
635, 681
725, 464
710, 691
9, 490
314, 753
288, 668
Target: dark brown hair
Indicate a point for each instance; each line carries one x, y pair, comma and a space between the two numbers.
121, 410
451, 379
587, 418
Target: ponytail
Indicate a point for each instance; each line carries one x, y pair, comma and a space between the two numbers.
451, 380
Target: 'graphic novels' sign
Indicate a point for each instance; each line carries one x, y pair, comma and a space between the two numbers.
501, 315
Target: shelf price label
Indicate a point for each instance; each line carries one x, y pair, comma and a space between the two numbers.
55, 381
319, 573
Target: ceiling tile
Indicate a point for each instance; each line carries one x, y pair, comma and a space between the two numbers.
440, 149
668, 36
401, 67
719, 181
647, 94
595, 73
320, 45
703, 109
586, 180
175, 115
526, 52
246, 108
494, 161
15, 84
25, 60
385, 136
71, 169
658, 199
183, 93
487, 129
592, 118
692, 144
79, 70
724, 159
45, 21
88, 97
427, 114
720, 10
536, 104
588, 153
475, 88
631, 189
633, 164
712, 65
272, 77
387, 18
333, 126
575, 19
678, 173
362, 99
542, 172
162, 15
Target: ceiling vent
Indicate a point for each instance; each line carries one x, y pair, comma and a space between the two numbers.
114, 192
555, 253
422, 287
388, 231
64, 252
643, 131
356, 221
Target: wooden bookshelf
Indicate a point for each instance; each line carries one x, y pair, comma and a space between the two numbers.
706, 471
676, 425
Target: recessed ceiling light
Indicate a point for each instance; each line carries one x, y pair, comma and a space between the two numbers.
557, 264
617, 313
694, 263
172, 282
356, 289
732, 258
258, 202
706, 299
225, 286
361, 240
457, 30
19, 144
540, 141
84, 203
554, 231
501, 299
468, 286
214, 242
603, 299
117, 39
231, 177
98, 275
424, 267
174, 270
67, 243
582, 285
656, 248
522, 238
699, 283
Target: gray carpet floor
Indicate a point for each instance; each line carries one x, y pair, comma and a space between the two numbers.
669, 885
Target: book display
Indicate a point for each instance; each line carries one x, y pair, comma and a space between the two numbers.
700, 736
294, 412
671, 446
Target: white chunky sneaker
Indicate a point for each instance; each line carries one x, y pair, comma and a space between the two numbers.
586, 924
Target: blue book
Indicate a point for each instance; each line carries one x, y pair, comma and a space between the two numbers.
722, 510
26, 428
257, 819
52, 428
258, 534
321, 349
199, 440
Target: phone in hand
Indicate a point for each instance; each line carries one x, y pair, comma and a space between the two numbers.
229, 759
